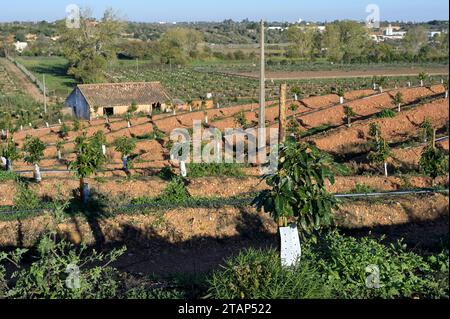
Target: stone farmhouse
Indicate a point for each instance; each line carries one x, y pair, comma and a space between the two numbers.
89, 100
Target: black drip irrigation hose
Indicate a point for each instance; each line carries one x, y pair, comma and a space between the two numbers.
246, 199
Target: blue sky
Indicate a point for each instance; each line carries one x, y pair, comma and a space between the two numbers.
211, 10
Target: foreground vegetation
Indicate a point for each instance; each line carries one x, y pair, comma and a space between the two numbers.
336, 267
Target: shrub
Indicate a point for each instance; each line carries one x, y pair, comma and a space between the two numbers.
49, 275
433, 162
7, 176
175, 192
386, 113
258, 274
215, 169
342, 262
362, 189
26, 198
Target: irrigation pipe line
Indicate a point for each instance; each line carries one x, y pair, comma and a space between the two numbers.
246, 199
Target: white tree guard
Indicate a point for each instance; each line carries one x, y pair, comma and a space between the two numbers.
104, 150
290, 246
183, 170
37, 174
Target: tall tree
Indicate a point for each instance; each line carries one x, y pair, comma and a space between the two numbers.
90, 47
302, 42
414, 41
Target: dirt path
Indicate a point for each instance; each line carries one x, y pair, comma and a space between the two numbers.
339, 74
22, 80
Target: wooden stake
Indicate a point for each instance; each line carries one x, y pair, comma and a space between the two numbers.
282, 114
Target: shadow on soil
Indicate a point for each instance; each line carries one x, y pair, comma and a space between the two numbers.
150, 253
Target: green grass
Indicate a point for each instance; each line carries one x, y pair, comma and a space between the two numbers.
55, 71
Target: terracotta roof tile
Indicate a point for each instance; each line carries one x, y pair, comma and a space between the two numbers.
114, 94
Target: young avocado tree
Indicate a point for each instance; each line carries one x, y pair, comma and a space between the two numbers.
380, 82
433, 162
34, 152
89, 160
341, 93
59, 149
125, 146
422, 77
297, 91
375, 131
130, 112
426, 130
9, 151
298, 197
381, 154
349, 114
99, 141
398, 101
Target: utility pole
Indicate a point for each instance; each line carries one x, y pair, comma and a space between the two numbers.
282, 114
262, 95
45, 94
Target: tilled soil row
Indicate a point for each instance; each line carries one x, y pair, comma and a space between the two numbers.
118, 187
185, 225
399, 129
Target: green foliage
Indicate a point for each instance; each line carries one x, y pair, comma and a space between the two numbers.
342, 262
362, 189
374, 130
125, 145
64, 130
427, 130
175, 192
382, 152
293, 127
335, 267
7, 176
99, 139
48, 274
34, 150
89, 158
398, 99
434, 162
26, 198
298, 189
240, 119
386, 113
89, 55
258, 274
215, 169
349, 114
76, 125
9, 150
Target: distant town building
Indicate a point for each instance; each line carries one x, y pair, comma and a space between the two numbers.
89, 100
394, 33
20, 46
